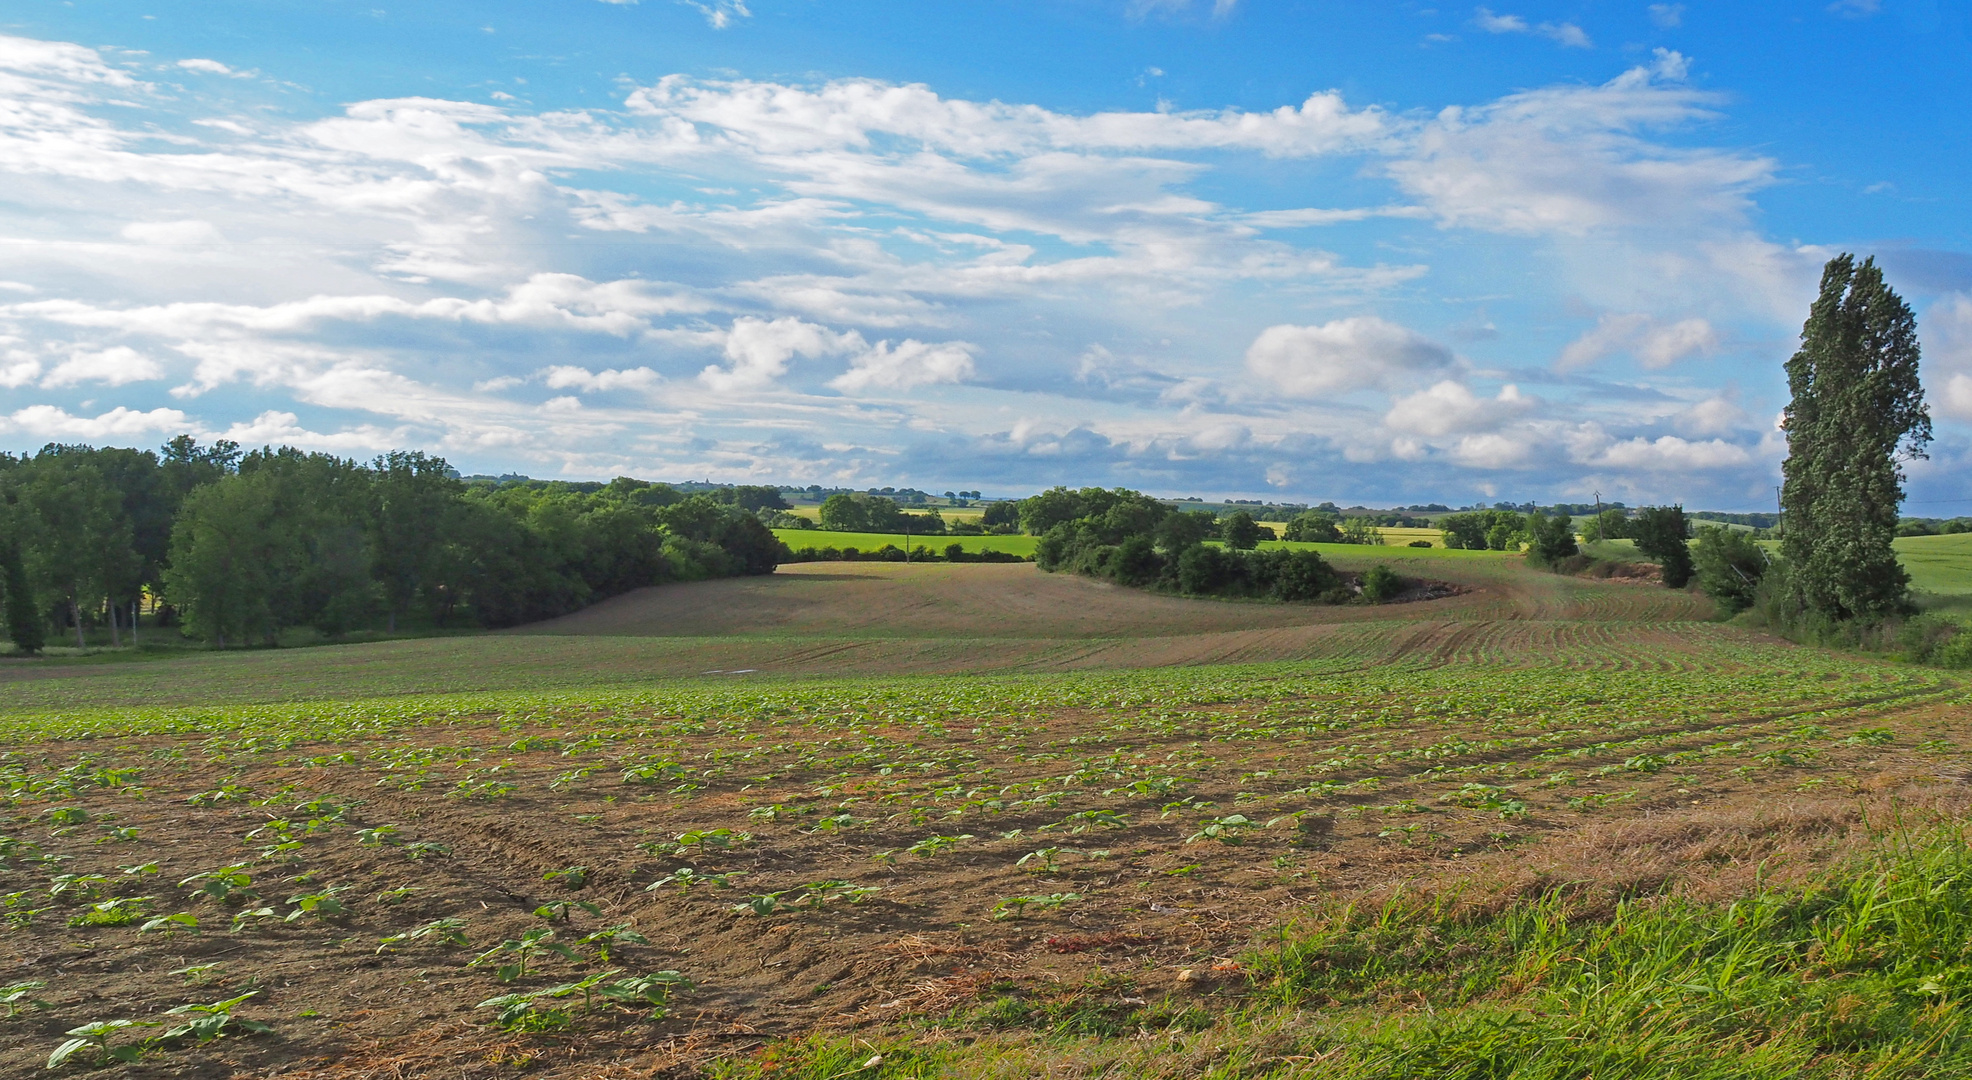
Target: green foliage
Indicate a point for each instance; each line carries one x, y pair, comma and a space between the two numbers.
1481, 530
25, 627
1240, 531
1662, 533
1312, 527
1856, 415
95, 1036
1380, 584
1550, 539
1729, 565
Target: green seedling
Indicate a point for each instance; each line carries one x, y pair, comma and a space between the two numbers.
573, 877
686, 877
378, 836
395, 896
588, 819
522, 952
1230, 829
117, 911
213, 1021
654, 772
224, 883
183, 920
322, 905
1090, 819
117, 835
609, 937
67, 815
932, 845
140, 869
1014, 907
242, 917
561, 909
202, 974
1046, 860
96, 1036
76, 886
220, 794
762, 904
14, 995
11, 849
450, 931
653, 991
425, 849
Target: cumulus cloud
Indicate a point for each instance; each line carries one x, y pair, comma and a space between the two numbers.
1450, 407
1946, 334
1713, 416
758, 351
1343, 355
212, 67
1655, 344
566, 376
912, 363
54, 422
114, 366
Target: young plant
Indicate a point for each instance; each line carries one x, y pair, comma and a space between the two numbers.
15, 995
521, 952
213, 1021
117, 911
561, 909
686, 877
96, 1036
225, 883
1014, 907
932, 845
450, 931
608, 937
322, 905
573, 877
1230, 829
653, 990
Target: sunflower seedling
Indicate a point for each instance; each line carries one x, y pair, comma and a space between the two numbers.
445, 931
686, 877
1014, 907
15, 995
322, 905
522, 951
573, 877
653, 990
608, 937
213, 1021
96, 1036
559, 910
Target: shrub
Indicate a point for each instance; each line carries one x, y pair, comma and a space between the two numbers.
1382, 583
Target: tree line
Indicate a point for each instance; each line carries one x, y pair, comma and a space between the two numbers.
236, 547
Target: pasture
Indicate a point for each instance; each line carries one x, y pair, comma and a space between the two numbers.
863, 820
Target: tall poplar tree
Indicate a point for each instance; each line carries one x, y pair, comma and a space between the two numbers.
1857, 414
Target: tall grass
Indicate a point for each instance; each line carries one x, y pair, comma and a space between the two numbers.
1865, 972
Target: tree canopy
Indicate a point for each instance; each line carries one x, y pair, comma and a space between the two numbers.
1856, 416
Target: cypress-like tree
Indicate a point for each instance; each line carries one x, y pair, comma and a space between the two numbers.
1857, 413
24, 623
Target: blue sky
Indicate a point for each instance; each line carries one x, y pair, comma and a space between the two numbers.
1382, 253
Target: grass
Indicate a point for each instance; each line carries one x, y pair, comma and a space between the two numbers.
1859, 973
1939, 565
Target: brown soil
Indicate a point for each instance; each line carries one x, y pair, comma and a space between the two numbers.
1162, 916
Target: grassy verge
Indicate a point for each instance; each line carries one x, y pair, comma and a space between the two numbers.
1865, 971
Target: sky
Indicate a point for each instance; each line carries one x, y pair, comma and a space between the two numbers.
1379, 253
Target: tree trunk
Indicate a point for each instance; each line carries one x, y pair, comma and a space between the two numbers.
116, 632
75, 615
135, 611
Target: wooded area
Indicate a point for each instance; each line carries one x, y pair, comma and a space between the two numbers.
237, 547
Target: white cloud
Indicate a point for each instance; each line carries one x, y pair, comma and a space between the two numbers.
1572, 160
1566, 34
562, 377
1945, 332
912, 363
115, 366
1450, 407
189, 233
719, 14
212, 67
1343, 355
53, 422
1666, 16
1713, 416
1655, 344
758, 350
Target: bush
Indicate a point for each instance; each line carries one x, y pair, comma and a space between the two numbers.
1382, 583
1310, 527
1419, 544
1729, 566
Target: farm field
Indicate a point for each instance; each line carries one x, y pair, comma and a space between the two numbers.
823, 538
1941, 565
963, 819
